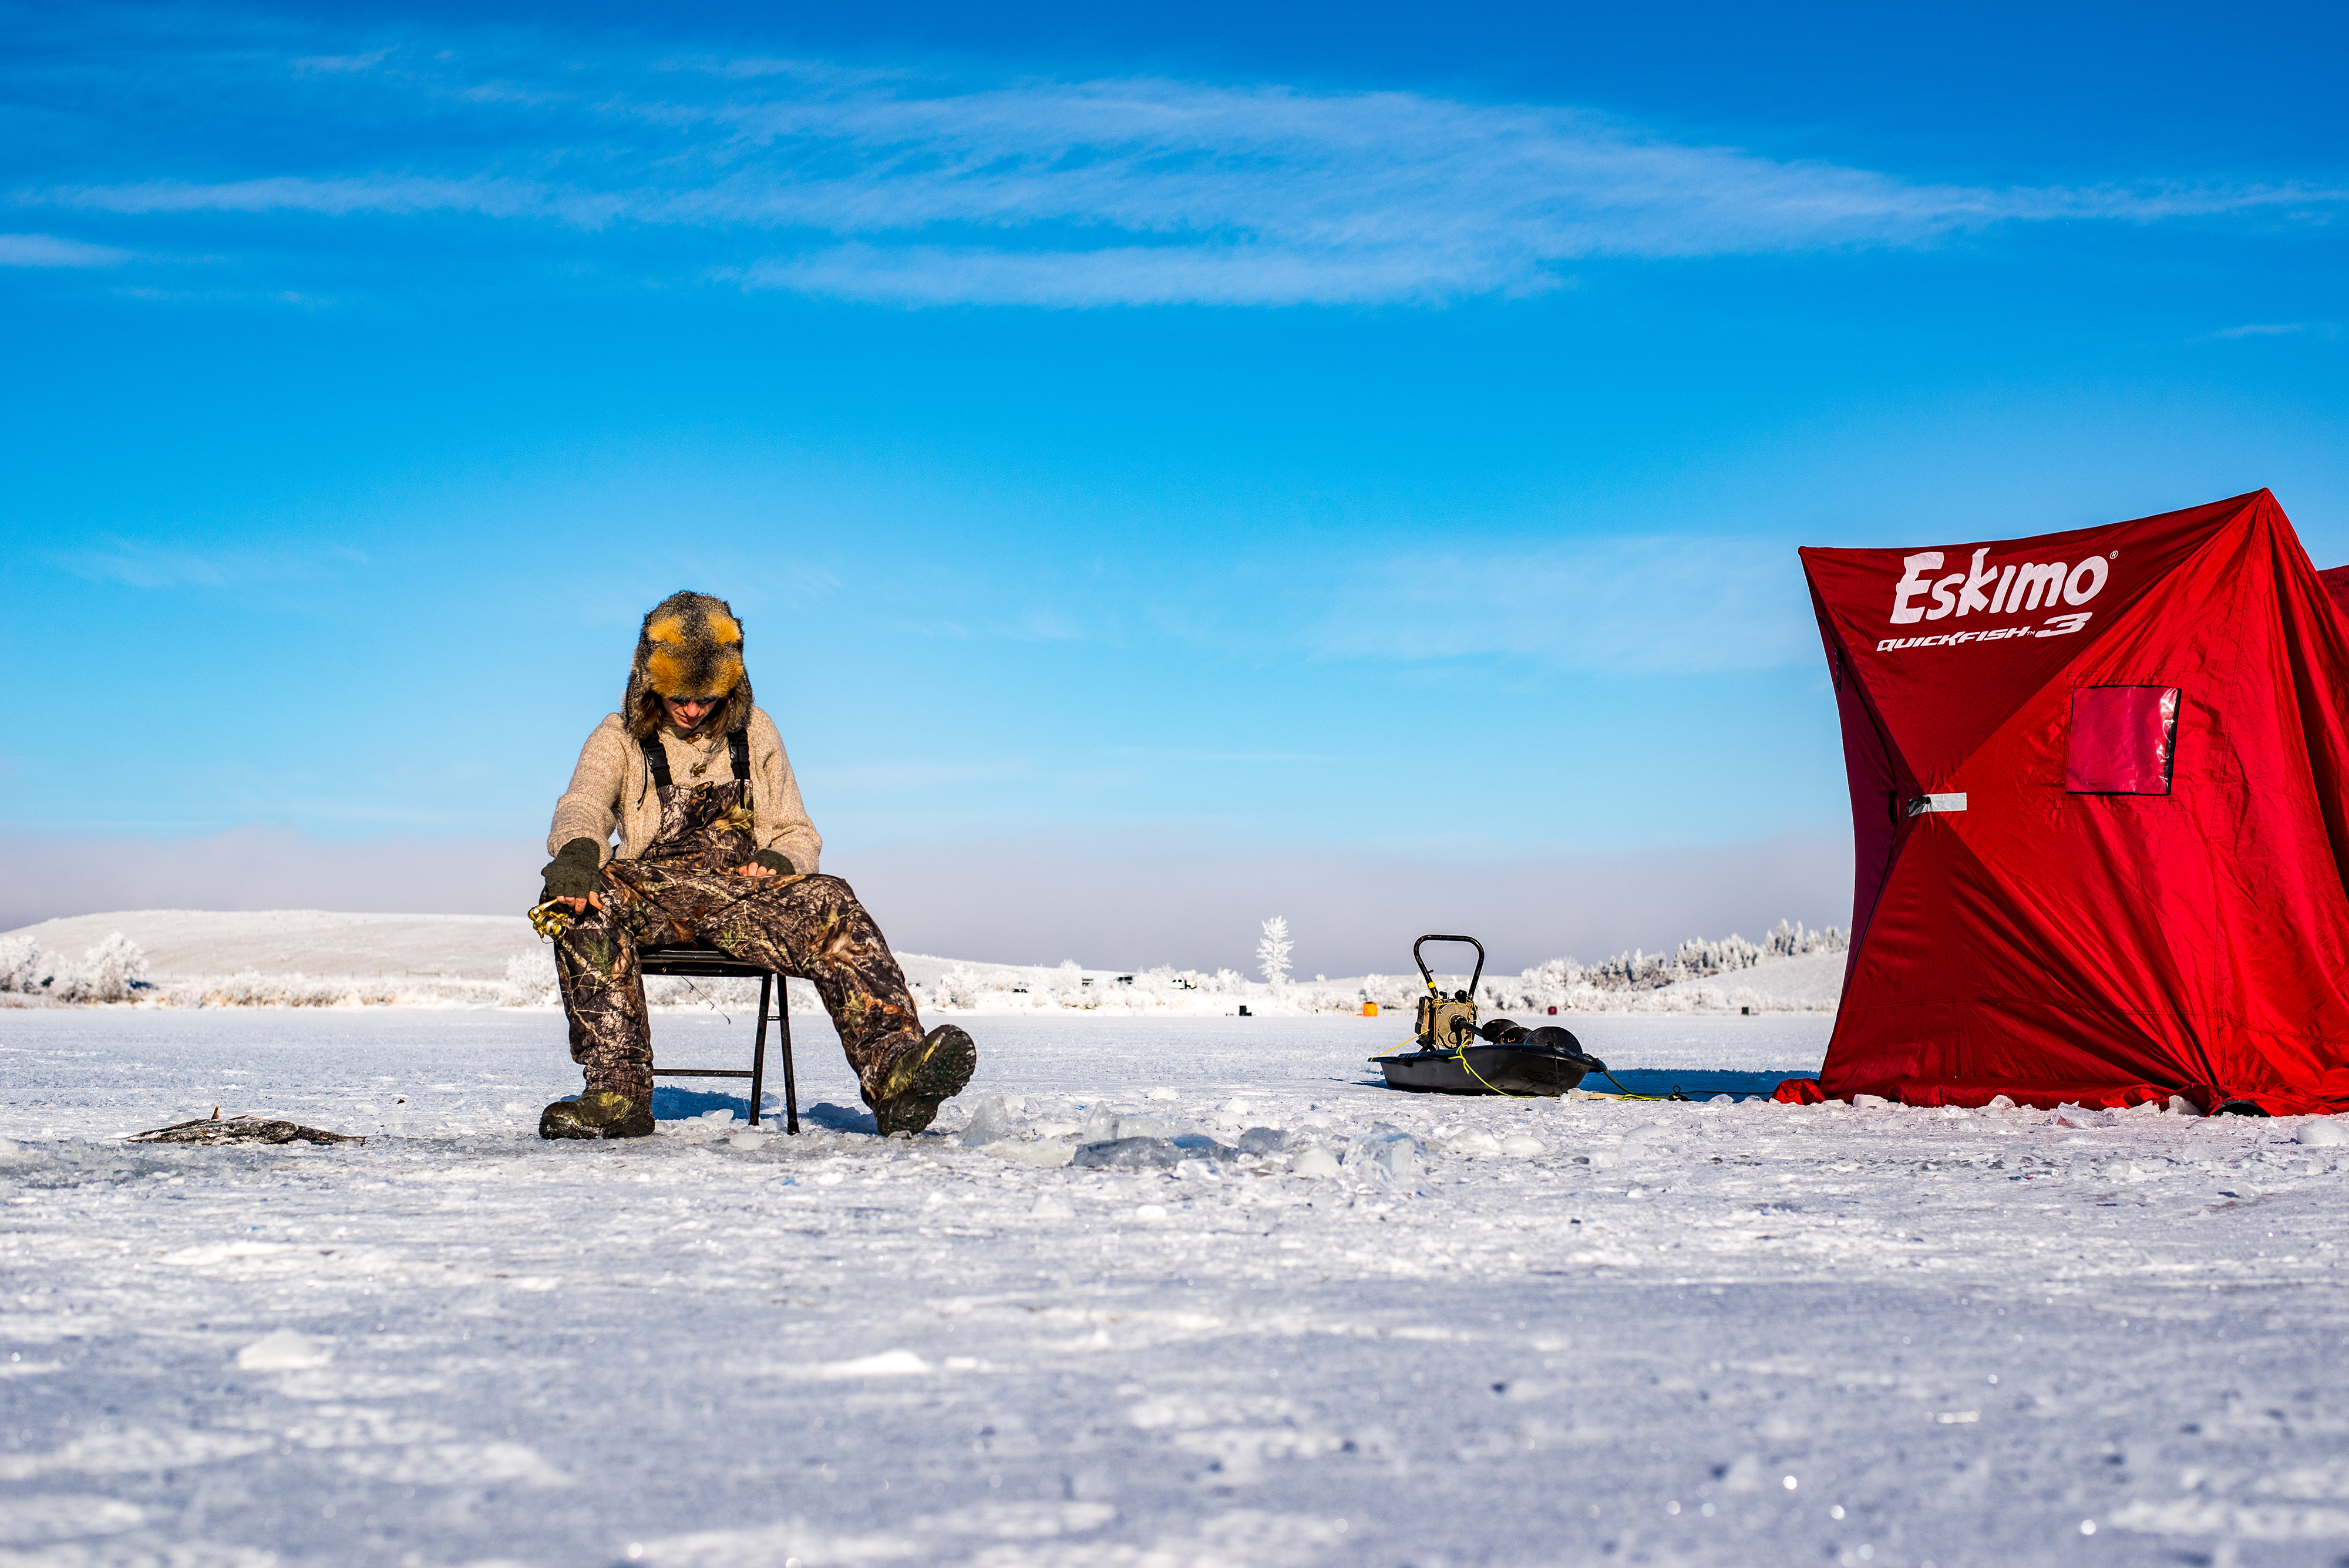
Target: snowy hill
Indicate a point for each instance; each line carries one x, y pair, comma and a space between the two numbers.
1810, 984
317, 957
195, 944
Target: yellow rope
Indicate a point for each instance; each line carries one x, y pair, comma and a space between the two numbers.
1463, 1052
1628, 1095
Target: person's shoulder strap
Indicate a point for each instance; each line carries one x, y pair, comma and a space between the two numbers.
655, 758
737, 747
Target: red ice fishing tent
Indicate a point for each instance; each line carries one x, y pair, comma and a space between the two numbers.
2097, 792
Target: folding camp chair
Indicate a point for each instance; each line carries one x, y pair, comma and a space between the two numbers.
707, 961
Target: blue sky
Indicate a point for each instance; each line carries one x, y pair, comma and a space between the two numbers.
1311, 459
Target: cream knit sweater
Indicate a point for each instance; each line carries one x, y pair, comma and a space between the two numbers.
613, 787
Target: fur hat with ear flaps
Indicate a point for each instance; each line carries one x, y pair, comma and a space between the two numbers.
691, 646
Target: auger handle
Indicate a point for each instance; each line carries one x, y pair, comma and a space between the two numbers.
1428, 976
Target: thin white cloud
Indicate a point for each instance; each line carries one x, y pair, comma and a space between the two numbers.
1677, 605
1142, 274
48, 250
882, 186
336, 65
396, 196
2263, 329
138, 564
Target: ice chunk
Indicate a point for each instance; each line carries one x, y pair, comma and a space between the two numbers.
1474, 1143
749, 1141
1152, 1153
1386, 1153
2180, 1105
991, 1122
1150, 1211
1047, 1154
1870, 1100
1265, 1140
1050, 1207
1646, 1133
1128, 1154
1103, 1124
1316, 1161
2000, 1103
1521, 1145
2320, 1132
284, 1351
1153, 1126
720, 1116
1163, 1093
1044, 1153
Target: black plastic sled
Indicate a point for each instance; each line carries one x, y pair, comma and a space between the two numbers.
1548, 1061
1514, 1059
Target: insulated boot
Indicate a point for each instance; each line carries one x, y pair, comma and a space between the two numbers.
934, 1069
598, 1113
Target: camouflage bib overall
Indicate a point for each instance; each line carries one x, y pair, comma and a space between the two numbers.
706, 825
687, 887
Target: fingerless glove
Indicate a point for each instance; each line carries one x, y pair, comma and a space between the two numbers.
571, 873
780, 864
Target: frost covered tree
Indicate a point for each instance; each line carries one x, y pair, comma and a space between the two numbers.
1272, 952
110, 972
21, 968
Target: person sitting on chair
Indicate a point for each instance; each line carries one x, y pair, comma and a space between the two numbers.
715, 847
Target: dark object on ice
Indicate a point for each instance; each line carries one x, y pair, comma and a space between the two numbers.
691, 961
1546, 1060
1152, 1153
1443, 1022
2240, 1108
936, 1069
597, 1113
1514, 1060
211, 1129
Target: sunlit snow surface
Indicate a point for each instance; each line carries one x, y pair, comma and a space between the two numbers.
1721, 1334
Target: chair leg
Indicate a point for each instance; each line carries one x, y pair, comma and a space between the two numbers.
791, 1079
759, 1054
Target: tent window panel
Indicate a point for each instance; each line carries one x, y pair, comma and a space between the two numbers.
2124, 739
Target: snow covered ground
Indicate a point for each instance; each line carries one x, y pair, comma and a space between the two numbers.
1731, 1333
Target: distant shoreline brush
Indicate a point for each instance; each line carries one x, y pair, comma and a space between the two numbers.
339, 970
